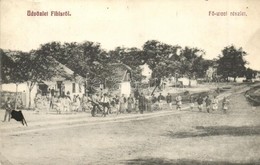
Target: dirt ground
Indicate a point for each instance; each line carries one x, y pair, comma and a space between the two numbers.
164, 137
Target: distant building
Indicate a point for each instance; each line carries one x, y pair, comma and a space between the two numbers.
121, 77
147, 72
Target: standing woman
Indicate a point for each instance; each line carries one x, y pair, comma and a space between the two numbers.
149, 103
160, 100
192, 102
117, 104
141, 103
225, 104
178, 102
130, 103
122, 102
215, 103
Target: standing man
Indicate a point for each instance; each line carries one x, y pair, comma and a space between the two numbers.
95, 104
8, 109
105, 104
136, 94
52, 98
141, 101
208, 103
52, 92
169, 100
200, 103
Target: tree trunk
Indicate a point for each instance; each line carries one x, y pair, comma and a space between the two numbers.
16, 93
30, 86
29, 106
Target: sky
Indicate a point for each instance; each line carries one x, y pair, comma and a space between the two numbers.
131, 23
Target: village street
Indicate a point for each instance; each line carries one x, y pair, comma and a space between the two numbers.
161, 137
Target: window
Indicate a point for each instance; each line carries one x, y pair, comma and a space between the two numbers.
73, 88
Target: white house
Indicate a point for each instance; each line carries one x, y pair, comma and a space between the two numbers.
64, 84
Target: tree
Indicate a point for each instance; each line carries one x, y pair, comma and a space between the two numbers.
161, 58
192, 62
232, 63
13, 68
6, 66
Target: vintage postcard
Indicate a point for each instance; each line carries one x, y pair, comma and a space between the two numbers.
129, 82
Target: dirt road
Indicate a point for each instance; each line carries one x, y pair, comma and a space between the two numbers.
186, 137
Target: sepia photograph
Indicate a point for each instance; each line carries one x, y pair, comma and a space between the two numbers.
126, 82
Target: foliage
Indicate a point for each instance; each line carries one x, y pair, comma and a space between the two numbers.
192, 62
32, 67
166, 60
231, 63
94, 64
161, 58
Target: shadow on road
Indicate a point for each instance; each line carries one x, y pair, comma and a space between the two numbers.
217, 131
163, 161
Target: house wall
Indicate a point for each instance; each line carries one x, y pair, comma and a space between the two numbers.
69, 88
147, 72
186, 81
240, 79
125, 88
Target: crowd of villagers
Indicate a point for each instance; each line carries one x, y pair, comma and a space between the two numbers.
107, 103
103, 103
